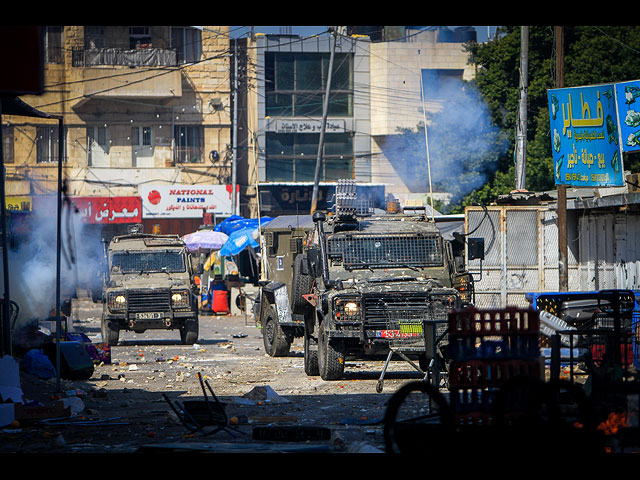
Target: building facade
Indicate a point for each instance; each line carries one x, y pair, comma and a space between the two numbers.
377, 84
143, 107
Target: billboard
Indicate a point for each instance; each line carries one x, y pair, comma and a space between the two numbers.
185, 201
627, 94
585, 137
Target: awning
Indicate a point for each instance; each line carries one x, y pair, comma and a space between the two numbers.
15, 106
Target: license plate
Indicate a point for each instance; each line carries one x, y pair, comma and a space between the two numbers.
148, 315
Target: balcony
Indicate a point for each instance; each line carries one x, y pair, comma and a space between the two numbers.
140, 57
145, 73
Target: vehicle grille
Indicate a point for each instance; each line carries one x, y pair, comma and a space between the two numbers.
377, 307
149, 301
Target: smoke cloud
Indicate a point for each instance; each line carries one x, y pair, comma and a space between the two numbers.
464, 144
32, 260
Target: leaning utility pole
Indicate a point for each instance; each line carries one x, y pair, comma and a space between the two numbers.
325, 109
521, 130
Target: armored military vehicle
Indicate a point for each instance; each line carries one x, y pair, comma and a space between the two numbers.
149, 285
355, 270
281, 307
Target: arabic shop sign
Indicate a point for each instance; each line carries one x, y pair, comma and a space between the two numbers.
101, 210
628, 100
185, 201
109, 209
20, 203
585, 137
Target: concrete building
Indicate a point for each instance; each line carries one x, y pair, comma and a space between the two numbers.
405, 62
146, 111
281, 115
376, 90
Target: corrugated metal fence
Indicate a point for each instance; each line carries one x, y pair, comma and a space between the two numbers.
521, 252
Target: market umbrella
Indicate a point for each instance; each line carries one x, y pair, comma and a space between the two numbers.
205, 239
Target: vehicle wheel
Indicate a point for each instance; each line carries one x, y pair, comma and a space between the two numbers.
189, 332
330, 356
276, 343
416, 414
310, 355
301, 286
110, 332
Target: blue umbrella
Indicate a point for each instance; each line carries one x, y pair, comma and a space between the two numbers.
243, 237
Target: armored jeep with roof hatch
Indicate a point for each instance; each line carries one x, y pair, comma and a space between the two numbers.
149, 285
364, 267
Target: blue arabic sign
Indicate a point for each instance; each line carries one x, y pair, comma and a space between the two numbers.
585, 138
629, 114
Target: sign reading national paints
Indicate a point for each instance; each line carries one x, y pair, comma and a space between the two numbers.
585, 137
185, 201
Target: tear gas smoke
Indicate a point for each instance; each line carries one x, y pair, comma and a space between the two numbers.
32, 261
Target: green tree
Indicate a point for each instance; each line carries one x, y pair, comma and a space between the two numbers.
592, 55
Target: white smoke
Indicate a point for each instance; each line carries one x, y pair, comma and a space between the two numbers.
32, 261
463, 142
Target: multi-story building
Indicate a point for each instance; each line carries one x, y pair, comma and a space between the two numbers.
283, 91
376, 90
146, 112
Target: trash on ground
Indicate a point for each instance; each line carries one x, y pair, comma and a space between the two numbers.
260, 394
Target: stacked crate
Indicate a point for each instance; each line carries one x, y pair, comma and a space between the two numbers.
487, 348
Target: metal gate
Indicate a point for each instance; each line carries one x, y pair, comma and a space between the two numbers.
521, 254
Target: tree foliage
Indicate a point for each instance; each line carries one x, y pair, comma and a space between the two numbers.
592, 55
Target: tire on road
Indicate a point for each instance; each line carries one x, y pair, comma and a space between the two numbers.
189, 331
330, 356
276, 343
110, 332
310, 354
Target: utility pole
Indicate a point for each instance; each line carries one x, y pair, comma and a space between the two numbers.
234, 166
521, 131
325, 109
563, 265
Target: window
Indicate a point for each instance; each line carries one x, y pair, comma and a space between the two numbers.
296, 84
436, 82
292, 157
98, 145
141, 136
139, 37
188, 143
7, 144
94, 37
47, 144
188, 44
53, 48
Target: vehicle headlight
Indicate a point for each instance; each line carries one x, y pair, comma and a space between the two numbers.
117, 301
347, 309
180, 299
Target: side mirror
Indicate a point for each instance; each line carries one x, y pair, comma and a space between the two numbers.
475, 248
314, 262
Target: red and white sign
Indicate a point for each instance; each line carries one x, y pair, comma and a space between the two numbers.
97, 209
109, 209
185, 201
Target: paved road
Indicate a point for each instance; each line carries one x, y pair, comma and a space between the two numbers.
271, 398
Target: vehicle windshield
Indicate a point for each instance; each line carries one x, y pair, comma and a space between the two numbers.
393, 250
148, 262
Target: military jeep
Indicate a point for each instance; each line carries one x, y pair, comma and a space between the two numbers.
342, 276
149, 285
281, 307
366, 268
